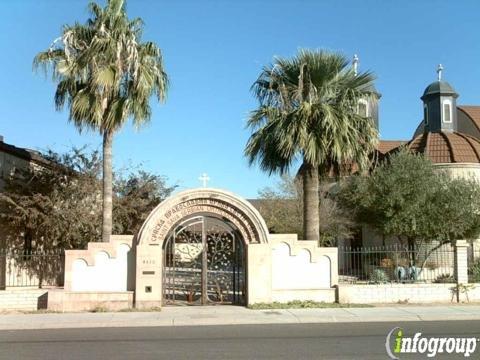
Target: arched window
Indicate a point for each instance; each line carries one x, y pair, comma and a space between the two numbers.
447, 111
363, 108
425, 114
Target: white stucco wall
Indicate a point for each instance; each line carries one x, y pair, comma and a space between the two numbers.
461, 170
296, 276
301, 270
405, 293
298, 272
105, 274
283, 269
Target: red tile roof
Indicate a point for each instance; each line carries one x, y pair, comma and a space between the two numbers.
385, 146
473, 112
445, 147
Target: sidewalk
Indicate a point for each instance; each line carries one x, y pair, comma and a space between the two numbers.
229, 315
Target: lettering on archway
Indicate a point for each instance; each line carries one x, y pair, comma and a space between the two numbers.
203, 205
219, 203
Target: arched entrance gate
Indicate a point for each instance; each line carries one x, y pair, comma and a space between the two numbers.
194, 249
204, 263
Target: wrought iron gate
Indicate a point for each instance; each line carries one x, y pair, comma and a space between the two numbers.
204, 263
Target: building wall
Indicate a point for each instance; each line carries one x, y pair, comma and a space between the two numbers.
283, 269
72, 301
301, 270
404, 293
8, 163
104, 267
461, 170
23, 299
107, 273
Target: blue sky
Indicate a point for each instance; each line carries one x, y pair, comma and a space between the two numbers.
214, 51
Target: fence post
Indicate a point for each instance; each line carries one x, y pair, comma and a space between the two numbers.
3, 269
461, 262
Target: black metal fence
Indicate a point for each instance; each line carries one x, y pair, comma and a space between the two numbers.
32, 268
396, 263
474, 263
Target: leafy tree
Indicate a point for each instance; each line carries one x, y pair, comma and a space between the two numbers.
60, 207
281, 207
308, 111
54, 207
335, 222
407, 197
105, 75
136, 195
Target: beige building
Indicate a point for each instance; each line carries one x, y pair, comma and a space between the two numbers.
12, 158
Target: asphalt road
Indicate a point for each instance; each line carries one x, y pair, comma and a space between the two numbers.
293, 342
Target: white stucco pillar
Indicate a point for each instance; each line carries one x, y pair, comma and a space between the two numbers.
461, 262
148, 289
259, 273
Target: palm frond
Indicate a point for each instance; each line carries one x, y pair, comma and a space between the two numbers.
104, 73
308, 108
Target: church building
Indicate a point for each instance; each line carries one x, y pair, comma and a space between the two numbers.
449, 134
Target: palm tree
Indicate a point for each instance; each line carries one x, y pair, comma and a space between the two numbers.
105, 75
308, 111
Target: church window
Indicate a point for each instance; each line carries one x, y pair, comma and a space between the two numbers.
425, 113
363, 108
447, 111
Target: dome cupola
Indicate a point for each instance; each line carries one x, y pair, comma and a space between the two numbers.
440, 106
446, 147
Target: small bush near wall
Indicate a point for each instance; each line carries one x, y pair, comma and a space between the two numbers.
474, 272
297, 304
378, 276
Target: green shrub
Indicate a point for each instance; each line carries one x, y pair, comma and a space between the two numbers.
444, 279
99, 309
378, 276
474, 271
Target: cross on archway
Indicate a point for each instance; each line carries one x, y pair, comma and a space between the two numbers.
204, 179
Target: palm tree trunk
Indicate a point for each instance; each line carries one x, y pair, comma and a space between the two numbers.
107, 186
311, 220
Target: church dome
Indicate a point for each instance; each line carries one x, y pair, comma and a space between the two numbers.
447, 147
439, 87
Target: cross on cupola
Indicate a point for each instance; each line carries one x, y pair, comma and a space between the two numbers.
439, 105
439, 72
367, 106
204, 179
355, 64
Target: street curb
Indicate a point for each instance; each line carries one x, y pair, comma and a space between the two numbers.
205, 316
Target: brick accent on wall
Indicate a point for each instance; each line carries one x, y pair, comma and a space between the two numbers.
23, 299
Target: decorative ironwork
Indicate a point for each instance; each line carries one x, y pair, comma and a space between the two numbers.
31, 268
204, 263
